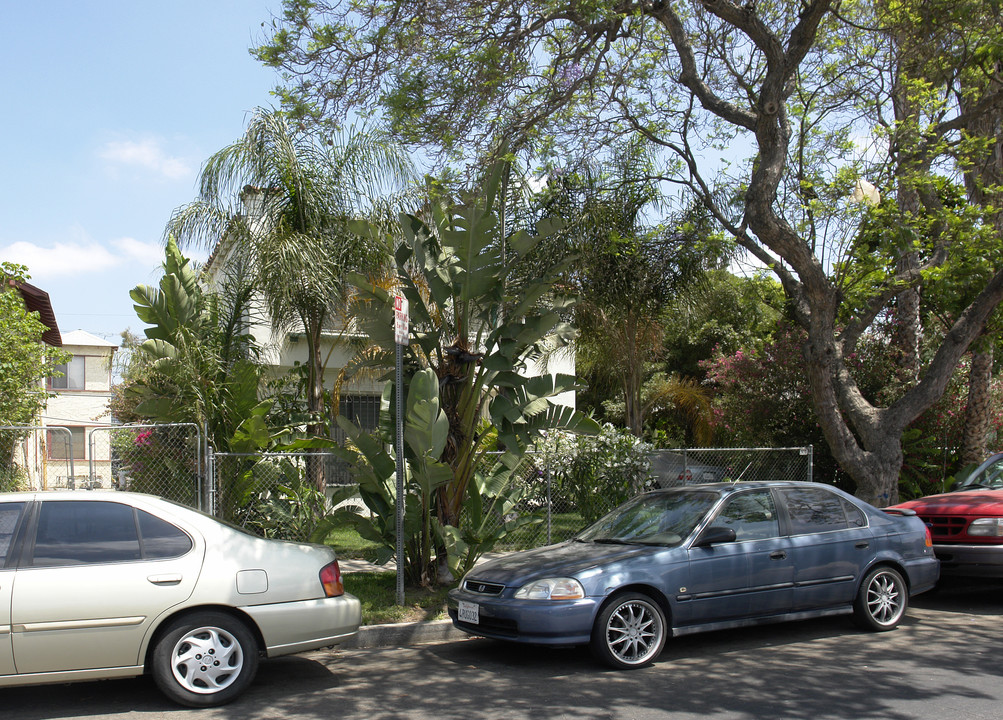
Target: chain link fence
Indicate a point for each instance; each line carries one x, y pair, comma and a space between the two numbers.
685, 466
564, 505
163, 460
278, 495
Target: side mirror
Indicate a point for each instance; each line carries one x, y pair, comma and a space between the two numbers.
715, 535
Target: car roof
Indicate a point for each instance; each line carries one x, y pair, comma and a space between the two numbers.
142, 501
74, 495
747, 484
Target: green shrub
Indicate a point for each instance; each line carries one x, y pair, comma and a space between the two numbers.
594, 473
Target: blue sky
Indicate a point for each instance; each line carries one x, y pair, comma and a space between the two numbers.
110, 108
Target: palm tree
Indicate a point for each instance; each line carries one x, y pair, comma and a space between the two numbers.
625, 276
299, 194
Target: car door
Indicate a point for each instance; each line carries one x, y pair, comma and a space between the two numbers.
97, 575
752, 576
10, 516
830, 543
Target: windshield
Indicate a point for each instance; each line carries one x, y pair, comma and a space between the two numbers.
654, 519
987, 475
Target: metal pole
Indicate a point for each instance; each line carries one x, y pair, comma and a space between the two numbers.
399, 402
550, 507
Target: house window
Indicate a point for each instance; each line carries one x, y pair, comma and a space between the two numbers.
73, 375
63, 446
363, 410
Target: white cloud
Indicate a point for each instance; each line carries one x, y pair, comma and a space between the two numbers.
149, 154
81, 256
60, 260
147, 253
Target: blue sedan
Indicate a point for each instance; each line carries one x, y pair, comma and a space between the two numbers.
703, 557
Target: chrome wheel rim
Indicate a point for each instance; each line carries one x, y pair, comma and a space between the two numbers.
634, 632
885, 599
207, 660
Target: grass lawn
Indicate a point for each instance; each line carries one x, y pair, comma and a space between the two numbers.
378, 593
562, 527
378, 590
348, 543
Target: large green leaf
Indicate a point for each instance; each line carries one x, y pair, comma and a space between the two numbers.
372, 449
426, 428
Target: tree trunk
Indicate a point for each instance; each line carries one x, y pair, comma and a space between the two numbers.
908, 325
315, 463
977, 411
982, 182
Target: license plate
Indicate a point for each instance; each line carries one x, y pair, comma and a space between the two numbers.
468, 612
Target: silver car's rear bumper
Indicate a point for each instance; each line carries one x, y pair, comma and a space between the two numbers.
293, 627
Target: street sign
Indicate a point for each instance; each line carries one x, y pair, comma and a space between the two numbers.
401, 320
401, 339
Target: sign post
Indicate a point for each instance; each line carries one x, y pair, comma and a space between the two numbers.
401, 321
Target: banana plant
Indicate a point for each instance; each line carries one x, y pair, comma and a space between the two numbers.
425, 434
474, 333
195, 359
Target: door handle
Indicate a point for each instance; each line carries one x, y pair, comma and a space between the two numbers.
778, 555
862, 545
174, 579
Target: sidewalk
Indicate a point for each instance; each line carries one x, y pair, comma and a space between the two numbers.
396, 634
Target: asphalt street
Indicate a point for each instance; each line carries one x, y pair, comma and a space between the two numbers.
944, 661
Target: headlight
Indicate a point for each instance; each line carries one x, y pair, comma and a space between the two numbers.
986, 527
552, 589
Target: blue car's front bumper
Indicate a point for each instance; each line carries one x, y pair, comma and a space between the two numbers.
542, 622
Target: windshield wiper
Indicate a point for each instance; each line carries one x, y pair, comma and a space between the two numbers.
617, 541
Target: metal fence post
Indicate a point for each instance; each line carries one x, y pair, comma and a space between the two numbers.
550, 507
210, 484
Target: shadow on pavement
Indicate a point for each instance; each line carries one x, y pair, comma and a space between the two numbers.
936, 664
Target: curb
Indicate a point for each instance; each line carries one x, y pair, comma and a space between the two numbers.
404, 634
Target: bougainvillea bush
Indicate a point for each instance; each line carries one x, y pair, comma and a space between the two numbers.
157, 460
762, 399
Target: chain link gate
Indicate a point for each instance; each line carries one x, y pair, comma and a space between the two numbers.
160, 459
35, 457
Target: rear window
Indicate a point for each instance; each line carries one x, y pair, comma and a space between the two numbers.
161, 539
815, 510
10, 513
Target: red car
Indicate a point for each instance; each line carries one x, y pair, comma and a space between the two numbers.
967, 523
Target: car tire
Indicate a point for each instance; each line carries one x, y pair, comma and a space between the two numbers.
205, 659
881, 600
629, 632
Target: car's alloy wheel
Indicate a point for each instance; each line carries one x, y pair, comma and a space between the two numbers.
629, 632
205, 659
882, 600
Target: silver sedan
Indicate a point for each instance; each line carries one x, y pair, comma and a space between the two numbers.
97, 585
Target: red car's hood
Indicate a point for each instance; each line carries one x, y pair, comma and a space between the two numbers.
965, 502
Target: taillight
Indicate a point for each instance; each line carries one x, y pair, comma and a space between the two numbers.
330, 578
929, 537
